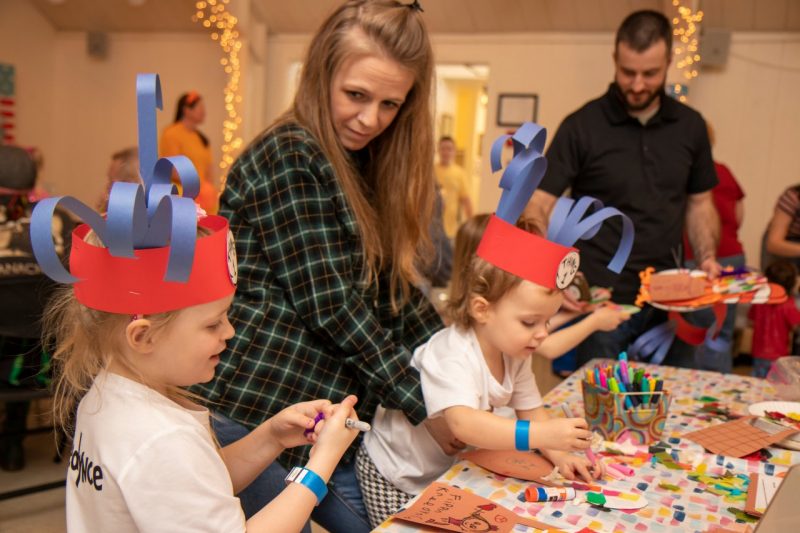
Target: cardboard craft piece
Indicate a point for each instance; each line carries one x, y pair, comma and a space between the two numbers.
760, 492
678, 286
730, 528
450, 508
740, 437
527, 466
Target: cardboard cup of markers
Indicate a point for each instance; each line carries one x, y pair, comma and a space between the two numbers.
623, 403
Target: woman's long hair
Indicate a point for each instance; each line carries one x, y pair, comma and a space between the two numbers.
189, 100
394, 224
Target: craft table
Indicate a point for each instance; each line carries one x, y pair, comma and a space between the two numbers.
684, 506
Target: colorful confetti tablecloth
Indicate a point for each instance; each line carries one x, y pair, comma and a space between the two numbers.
680, 498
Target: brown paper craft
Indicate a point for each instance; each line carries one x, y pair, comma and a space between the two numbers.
445, 507
760, 492
731, 528
521, 465
668, 287
740, 437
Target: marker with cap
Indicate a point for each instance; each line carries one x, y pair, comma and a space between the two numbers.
349, 423
589, 453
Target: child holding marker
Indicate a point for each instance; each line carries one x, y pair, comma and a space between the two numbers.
500, 307
146, 317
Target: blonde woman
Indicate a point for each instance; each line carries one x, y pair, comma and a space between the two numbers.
330, 208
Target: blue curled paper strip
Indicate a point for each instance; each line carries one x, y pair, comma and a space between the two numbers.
567, 226
523, 173
654, 344
138, 217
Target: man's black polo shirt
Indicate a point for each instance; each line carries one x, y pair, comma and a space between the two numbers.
647, 172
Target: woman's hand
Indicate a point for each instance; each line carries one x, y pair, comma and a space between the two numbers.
288, 426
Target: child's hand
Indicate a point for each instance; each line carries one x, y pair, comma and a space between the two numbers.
288, 426
332, 436
608, 317
570, 466
568, 434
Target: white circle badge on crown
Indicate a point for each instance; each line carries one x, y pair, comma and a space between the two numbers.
233, 265
567, 269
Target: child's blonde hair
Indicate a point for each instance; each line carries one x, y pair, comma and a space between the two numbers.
84, 341
474, 276
394, 219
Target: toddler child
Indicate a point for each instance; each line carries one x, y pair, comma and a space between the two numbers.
129, 338
773, 324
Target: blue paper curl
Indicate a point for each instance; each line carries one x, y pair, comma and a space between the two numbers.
523, 173
139, 216
568, 225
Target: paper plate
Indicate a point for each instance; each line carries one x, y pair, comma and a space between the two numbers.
758, 409
681, 306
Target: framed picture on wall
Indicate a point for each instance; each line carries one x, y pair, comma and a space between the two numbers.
513, 109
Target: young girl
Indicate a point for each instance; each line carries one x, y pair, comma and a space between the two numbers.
773, 324
500, 305
602, 318
128, 339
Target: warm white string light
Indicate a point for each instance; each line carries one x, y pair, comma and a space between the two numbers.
685, 29
212, 14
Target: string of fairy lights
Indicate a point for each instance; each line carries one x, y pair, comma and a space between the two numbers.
214, 16
685, 29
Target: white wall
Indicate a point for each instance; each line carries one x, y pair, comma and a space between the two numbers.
95, 100
80, 110
752, 104
754, 107
26, 42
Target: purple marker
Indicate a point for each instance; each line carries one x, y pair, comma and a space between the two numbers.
317, 419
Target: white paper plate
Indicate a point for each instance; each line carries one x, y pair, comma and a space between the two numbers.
758, 409
679, 308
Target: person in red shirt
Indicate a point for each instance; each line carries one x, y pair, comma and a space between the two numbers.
728, 195
773, 324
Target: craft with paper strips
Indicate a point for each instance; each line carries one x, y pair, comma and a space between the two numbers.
149, 233
442, 506
740, 437
550, 262
527, 466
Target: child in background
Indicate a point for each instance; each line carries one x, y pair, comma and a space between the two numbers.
773, 324
479, 363
603, 318
128, 342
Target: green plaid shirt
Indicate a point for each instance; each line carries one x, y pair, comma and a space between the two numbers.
306, 326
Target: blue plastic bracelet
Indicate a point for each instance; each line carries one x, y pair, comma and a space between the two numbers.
310, 479
522, 436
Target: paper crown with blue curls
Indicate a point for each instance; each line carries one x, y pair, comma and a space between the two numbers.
551, 262
153, 261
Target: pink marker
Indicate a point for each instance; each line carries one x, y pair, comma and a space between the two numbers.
623, 469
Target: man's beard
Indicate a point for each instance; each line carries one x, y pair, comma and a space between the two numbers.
635, 108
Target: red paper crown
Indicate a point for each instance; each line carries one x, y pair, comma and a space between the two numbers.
137, 286
528, 256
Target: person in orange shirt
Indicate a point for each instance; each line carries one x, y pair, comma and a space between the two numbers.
183, 138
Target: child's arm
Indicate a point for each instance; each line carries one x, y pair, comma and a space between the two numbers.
568, 464
483, 429
604, 318
249, 456
290, 510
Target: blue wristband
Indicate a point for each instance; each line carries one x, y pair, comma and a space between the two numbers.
309, 479
522, 436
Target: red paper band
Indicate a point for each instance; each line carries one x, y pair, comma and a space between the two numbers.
136, 286
528, 256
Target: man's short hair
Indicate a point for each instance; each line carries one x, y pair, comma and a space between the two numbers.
642, 29
444, 138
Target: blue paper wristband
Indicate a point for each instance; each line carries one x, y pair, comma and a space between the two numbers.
310, 480
522, 436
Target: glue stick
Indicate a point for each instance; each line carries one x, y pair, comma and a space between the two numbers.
549, 494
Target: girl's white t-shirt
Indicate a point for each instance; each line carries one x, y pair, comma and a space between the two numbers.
453, 372
141, 462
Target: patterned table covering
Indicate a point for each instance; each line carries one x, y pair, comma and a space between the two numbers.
684, 505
